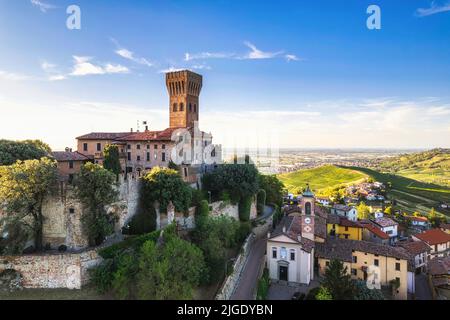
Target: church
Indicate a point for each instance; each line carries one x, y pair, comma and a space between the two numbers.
290, 247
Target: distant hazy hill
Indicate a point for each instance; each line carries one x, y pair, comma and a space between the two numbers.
431, 166
320, 178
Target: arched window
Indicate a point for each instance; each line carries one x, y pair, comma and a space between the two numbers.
195, 108
175, 107
308, 208
181, 106
190, 107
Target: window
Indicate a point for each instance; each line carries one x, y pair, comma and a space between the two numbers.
129, 146
85, 147
71, 210
195, 108
274, 253
148, 146
190, 107
354, 259
70, 164
163, 146
292, 255
175, 107
155, 156
138, 158
181, 107
346, 236
163, 157
346, 228
308, 208
376, 262
148, 156
397, 266
129, 156
354, 272
155, 146
283, 253
99, 147
138, 146
327, 263
185, 172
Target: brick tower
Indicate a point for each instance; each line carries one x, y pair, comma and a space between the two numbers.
184, 90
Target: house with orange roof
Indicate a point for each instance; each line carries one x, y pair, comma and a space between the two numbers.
437, 240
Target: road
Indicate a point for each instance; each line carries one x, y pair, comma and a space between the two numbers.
249, 277
423, 291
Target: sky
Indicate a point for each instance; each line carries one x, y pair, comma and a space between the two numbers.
290, 73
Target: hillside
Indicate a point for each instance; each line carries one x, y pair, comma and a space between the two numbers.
320, 178
431, 166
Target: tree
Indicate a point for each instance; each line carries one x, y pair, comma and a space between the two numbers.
169, 271
388, 210
364, 293
239, 180
11, 151
164, 185
245, 206
274, 188
363, 211
24, 186
338, 281
112, 161
95, 187
261, 200
323, 294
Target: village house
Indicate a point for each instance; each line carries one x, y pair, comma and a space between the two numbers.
388, 226
373, 234
418, 221
323, 201
390, 262
69, 163
418, 251
345, 211
437, 240
439, 270
343, 228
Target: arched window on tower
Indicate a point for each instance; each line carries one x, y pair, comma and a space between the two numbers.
190, 107
175, 107
308, 208
181, 106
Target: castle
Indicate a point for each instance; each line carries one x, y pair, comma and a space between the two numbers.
182, 142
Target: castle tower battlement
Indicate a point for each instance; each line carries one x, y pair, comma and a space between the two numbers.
184, 90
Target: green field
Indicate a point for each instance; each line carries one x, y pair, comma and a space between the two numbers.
320, 178
411, 195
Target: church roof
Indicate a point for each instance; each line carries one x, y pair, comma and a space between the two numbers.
291, 227
308, 192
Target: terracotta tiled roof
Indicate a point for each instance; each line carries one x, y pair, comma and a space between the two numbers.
342, 249
439, 266
433, 236
69, 156
293, 230
342, 207
385, 222
419, 219
321, 212
342, 221
414, 247
104, 135
376, 231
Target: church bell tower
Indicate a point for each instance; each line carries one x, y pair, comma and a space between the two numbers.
184, 90
307, 206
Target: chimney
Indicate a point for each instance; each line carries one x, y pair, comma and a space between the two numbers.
68, 149
131, 130
146, 128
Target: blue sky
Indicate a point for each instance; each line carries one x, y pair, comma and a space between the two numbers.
309, 72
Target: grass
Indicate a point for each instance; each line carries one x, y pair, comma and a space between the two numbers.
87, 293
320, 178
411, 195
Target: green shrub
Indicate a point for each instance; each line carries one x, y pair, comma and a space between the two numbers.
263, 286
244, 230
225, 196
102, 276
244, 209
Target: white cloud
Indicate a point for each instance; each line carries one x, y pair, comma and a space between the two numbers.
57, 77
83, 67
201, 67
129, 55
433, 9
13, 76
254, 53
44, 7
